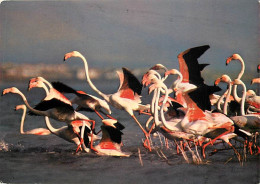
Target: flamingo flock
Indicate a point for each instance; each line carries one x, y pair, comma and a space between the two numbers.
188, 112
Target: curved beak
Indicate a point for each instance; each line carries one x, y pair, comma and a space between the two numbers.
217, 81
228, 60
167, 73
67, 56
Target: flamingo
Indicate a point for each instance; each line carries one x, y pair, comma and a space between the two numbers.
110, 143
64, 132
36, 131
191, 72
57, 110
171, 129
126, 98
204, 123
254, 100
240, 59
84, 101
249, 122
53, 93
226, 79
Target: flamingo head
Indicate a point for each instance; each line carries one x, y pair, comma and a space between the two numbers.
35, 84
150, 77
171, 72
233, 57
152, 88
258, 68
37, 79
158, 67
20, 107
109, 122
250, 93
72, 54
223, 78
255, 80
10, 90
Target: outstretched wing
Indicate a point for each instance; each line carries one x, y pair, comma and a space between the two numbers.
201, 96
130, 85
53, 103
113, 133
189, 65
63, 88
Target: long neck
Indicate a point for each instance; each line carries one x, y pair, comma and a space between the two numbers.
47, 82
90, 82
46, 90
162, 109
243, 100
22, 120
50, 127
227, 98
219, 102
234, 92
178, 81
153, 102
156, 115
42, 113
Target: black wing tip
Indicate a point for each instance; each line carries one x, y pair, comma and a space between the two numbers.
119, 126
61, 87
202, 66
198, 51
137, 85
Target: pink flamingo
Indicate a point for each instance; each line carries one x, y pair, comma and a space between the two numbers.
126, 98
57, 110
204, 123
84, 101
36, 131
111, 141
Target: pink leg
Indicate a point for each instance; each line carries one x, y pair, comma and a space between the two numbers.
99, 114
146, 145
230, 129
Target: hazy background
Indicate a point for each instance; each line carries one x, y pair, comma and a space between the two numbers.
132, 33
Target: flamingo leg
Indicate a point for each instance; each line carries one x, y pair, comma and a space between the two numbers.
226, 126
143, 112
146, 142
99, 114
166, 143
79, 146
91, 142
110, 117
151, 129
81, 140
238, 155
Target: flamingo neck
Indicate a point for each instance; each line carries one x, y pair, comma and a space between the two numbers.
47, 82
90, 82
162, 109
234, 92
22, 121
156, 115
227, 98
29, 107
219, 102
50, 127
242, 104
178, 81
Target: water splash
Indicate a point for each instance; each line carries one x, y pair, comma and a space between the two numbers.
4, 146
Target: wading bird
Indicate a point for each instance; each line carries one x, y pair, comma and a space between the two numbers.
36, 131
57, 110
126, 98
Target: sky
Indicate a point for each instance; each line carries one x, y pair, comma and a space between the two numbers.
131, 33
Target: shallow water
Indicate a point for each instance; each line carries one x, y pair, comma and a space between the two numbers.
50, 159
